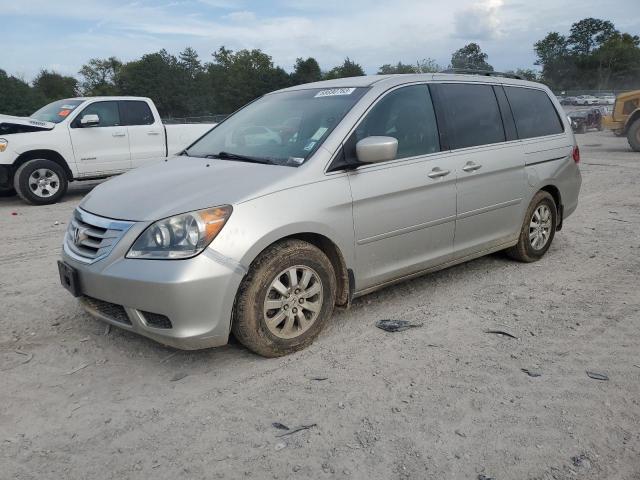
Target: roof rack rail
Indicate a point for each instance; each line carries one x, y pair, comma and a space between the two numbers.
488, 73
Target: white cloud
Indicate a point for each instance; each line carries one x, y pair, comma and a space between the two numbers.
371, 32
479, 21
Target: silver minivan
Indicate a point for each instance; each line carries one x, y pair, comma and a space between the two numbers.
313, 195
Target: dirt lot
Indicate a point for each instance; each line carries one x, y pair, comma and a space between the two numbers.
445, 401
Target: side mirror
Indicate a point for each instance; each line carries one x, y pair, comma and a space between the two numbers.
90, 120
376, 149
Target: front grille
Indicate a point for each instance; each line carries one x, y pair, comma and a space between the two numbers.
110, 310
157, 320
90, 237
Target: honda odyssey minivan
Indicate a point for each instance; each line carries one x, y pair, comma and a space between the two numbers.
314, 195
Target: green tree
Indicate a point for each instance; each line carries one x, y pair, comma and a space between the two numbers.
427, 65
525, 74
306, 71
17, 97
237, 78
619, 61
54, 86
472, 57
400, 67
348, 68
158, 76
100, 76
590, 33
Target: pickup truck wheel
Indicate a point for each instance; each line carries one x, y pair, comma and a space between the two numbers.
40, 182
633, 135
7, 191
538, 229
285, 299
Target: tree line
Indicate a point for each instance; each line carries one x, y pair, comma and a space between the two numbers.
595, 55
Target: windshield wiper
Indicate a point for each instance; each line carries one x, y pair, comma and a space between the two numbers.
240, 158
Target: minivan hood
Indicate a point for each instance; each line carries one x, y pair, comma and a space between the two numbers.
182, 184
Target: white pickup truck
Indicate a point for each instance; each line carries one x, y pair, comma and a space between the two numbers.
82, 139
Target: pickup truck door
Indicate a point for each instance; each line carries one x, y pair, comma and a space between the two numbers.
146, 133
103, 148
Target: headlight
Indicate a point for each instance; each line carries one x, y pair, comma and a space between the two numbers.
3, 145
181, 236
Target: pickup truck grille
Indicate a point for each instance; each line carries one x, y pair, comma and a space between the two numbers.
90, 237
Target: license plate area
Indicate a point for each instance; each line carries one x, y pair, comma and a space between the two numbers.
69, 278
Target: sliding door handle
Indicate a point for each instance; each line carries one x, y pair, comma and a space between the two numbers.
471, 167
437, 172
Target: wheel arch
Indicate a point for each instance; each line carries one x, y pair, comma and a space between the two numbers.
344, 277
557, 197
635, 115
45, 155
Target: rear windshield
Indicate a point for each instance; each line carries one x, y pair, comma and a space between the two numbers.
57, 111
283, 128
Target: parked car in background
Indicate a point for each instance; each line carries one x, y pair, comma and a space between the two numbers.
568, 101
378, 179
583, 120
586, 100
84, 138
607, 99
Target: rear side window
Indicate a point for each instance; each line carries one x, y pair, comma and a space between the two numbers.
136, 113
473, 117
406, 114
533, 112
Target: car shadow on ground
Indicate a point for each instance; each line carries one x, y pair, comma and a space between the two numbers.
161, 357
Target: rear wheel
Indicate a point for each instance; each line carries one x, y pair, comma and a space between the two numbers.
285, 299
633, 135
40, 182
538, 229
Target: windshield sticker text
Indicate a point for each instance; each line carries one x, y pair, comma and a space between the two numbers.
332, 92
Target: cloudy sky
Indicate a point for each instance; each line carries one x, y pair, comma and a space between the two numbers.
63, 34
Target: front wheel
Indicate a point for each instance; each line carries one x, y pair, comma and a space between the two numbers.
538, 229
40, 182
633, 135
285, 299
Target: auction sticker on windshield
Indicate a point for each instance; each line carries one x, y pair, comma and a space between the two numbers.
332, 92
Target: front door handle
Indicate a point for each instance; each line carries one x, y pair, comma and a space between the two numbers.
153, 133
119, 134
437, 172
471, 167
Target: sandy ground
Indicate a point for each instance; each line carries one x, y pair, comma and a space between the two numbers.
445, 401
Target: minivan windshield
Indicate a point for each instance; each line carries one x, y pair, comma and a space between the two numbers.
57, 111
281, 128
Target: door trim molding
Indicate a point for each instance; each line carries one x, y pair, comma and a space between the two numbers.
497, 206
401, 231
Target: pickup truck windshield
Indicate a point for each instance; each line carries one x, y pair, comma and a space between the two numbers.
57, 111
283, 128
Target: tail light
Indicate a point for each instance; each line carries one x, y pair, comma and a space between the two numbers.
576, 154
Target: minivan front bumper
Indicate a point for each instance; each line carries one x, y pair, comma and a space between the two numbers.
186, 304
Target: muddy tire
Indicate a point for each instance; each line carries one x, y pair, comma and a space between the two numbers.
538, 229
285, 300
40, 182
633, 135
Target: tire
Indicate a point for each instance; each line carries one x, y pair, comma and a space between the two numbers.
528, 250
633, 135
7, 191
287, 332
54, 182
581, 129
